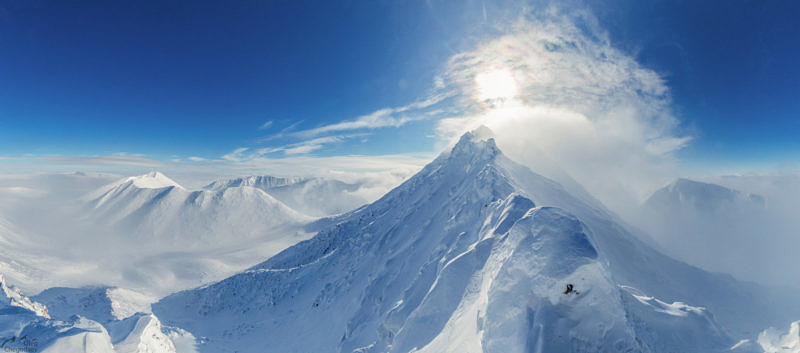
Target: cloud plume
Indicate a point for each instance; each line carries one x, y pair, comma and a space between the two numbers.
580, 106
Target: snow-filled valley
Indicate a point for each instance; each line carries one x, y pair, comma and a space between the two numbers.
474, 253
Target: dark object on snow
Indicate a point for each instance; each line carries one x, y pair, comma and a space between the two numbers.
570, 289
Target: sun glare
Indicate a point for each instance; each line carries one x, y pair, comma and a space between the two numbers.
495, 84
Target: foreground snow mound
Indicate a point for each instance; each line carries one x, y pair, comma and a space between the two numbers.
316, 197
774, 341
101, 304
692, 328
140, 333
26, 326
475, 253
78, 335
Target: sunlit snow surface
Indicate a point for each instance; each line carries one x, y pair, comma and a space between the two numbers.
473, 254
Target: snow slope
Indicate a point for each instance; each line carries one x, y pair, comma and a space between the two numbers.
16, 262
315, 197
101, 304
26, 325
773, 341
474, 254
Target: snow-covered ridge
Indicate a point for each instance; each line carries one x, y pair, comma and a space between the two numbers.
12, 296
316, 197
474, 253
257, 181
101, 304
29, 328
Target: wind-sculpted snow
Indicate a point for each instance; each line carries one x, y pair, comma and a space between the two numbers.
27, 326
689, 328
11, 296
139, 333
774, 341
101, 304
475, 253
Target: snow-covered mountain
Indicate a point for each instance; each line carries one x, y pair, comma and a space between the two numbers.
158, 237
703, 199
690, 219
315, 197
153, 207
27, 326
475, 253
149, 233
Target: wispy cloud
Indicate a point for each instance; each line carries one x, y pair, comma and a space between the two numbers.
280, 134
385, 117
313, 144
265, 125
236, 155
296, 148
113, 160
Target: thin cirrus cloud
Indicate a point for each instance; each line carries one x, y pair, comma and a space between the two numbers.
265, 125
293, 149
317, 138
236, 155
107, 160
297, 148
385, 117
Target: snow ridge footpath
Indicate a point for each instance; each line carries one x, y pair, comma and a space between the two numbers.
475, 253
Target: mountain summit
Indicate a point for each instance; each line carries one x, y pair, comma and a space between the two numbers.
475, 253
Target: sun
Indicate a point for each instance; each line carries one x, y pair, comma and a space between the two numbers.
495, 84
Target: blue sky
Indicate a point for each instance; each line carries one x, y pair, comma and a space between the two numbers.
170, 80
